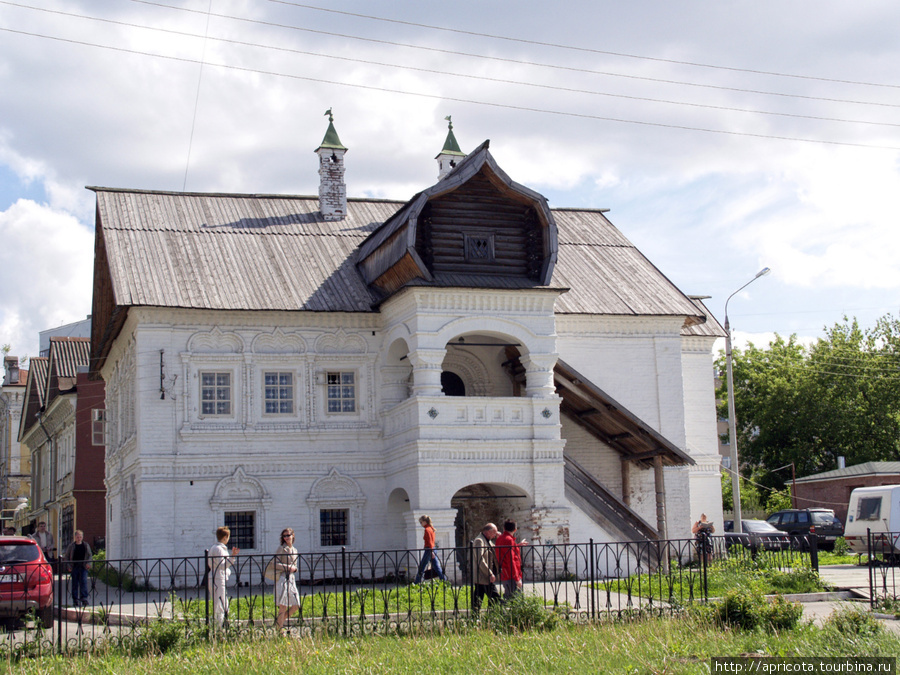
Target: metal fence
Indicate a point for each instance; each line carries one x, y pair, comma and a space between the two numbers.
883, 550
358, 592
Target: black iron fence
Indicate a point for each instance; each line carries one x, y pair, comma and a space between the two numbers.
355, 592
883, 549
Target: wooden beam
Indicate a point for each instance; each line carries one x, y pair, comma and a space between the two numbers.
659, 481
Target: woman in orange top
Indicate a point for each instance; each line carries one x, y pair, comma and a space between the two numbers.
428, 553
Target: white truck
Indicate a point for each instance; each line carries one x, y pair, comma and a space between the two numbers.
876, 509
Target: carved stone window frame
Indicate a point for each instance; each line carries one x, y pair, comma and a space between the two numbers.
337, 491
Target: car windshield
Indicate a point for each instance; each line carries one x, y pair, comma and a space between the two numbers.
19, 553
759, 527
822, 517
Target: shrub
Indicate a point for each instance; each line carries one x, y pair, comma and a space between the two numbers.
853, 621
749, 610
519, 614
841, 547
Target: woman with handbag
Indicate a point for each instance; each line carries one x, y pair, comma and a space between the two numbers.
285, 562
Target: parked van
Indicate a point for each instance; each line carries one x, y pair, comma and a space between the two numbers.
877, 509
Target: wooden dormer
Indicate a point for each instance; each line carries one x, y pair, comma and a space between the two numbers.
474, 223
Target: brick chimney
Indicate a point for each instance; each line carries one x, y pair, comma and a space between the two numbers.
450, 155
332, 190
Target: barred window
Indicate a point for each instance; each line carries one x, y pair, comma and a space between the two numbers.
341, 392
480, 248
243, 528
215, 393
334, 527
279, 393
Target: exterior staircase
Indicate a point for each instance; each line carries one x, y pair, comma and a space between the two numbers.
607, 509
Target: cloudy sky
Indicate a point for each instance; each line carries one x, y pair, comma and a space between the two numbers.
723, 137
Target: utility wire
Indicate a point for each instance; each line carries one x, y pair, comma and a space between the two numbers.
515, 61
484, 78
187, 163
582, 49
455, 99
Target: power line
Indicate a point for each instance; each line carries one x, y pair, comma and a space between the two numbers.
514, 61
484, 78
507, 106
589, 50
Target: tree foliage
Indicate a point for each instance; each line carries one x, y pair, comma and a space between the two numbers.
840, 396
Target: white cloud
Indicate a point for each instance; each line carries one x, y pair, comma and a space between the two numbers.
46, 267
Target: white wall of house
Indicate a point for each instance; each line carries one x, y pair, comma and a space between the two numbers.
700, 426
173, 472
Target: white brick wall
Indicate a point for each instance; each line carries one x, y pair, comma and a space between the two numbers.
178, 459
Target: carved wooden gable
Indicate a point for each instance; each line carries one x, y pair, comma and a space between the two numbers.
476, 226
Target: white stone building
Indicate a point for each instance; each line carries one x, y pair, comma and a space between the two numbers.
344, 366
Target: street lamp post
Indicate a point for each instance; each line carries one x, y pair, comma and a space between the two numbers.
732, 425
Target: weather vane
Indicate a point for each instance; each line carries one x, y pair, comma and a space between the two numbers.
330, 116
449, 123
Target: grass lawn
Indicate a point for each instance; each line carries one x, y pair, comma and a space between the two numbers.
765, 574
682, 645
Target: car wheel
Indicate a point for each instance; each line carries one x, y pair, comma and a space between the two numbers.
45, 616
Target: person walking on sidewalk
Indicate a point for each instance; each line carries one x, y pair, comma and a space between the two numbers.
78, 557
429, 555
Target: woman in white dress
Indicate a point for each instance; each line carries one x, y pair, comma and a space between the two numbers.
219, 571
287, 597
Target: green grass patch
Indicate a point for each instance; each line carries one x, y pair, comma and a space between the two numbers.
369, 602
764, 575
681, 645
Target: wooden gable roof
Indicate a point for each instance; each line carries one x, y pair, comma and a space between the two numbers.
476, 202
278, 253
66, 355
35, 393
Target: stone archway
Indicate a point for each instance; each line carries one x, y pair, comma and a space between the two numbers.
481, 503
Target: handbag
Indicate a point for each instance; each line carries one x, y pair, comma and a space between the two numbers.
270, 572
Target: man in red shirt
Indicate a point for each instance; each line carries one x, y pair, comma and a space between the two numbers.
509, 559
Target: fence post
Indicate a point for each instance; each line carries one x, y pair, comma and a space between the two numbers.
471, 580
344, 586
593, 577
814, 552
705, 545
206, 588
871, 567
56, 568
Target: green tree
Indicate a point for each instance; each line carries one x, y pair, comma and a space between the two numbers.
809, 406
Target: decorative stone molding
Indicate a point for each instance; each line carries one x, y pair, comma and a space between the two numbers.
238, 488
278, 342
341, 342
337, 491
240, 492
216, 341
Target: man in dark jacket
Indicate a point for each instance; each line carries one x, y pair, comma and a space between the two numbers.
78, 557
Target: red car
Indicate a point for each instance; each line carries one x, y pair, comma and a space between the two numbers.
26, 581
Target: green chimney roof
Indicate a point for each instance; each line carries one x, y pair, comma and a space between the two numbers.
331, 139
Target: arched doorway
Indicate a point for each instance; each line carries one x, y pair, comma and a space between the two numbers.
452, 384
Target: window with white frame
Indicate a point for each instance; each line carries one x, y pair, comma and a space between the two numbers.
334, 527
215, 394
341, 386
278, 393
98, 426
